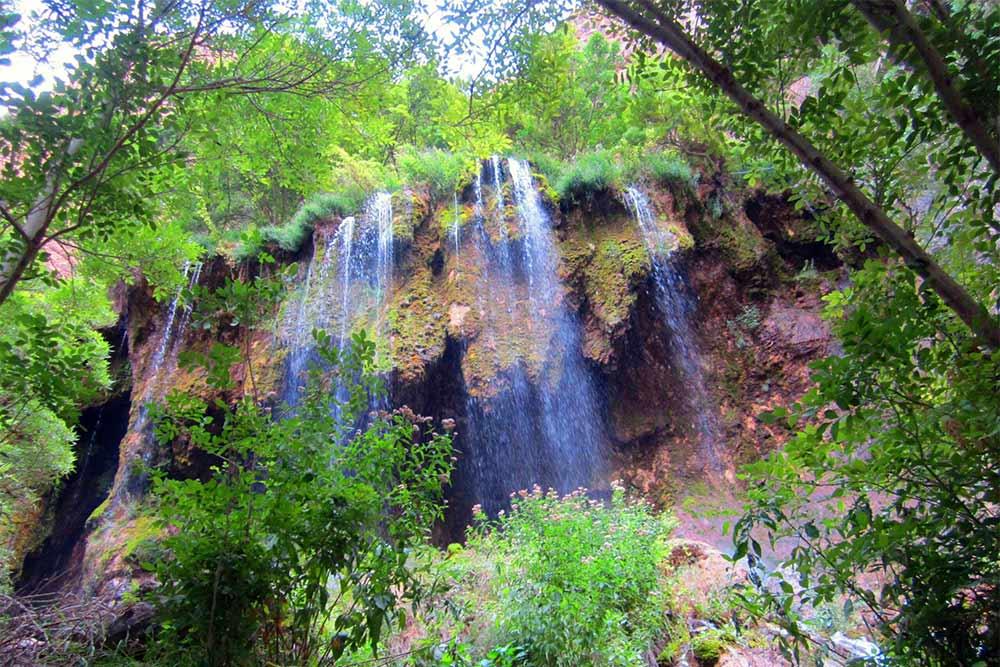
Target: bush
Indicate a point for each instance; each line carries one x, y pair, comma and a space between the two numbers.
300, 544
546, 165
324, 205
590, 174
288, 237
669, 167
293, 234
441, 171
578, 581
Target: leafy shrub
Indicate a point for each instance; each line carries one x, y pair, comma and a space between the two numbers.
299, 546
247, 245
293, 234
325, 205
668, 167
546, 165
443, 172
578, 581
590, 174
901, 427
288, 237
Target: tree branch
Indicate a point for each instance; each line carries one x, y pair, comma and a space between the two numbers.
895, 20
666, 31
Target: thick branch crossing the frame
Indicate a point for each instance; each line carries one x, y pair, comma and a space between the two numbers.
669, 33
895, 20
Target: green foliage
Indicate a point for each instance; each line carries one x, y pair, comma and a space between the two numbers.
443, 172
52, 363
318, 207
292, 236
708, 646
591, 174
299, 545
567, 97
894, 468
578, 581
669, 168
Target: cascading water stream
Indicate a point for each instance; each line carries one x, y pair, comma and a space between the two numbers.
537, 419
346, 286
570, 407
161, 350
455, 231
677, 305
171, 338
166, 354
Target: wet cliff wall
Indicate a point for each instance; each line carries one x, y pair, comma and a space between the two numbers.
470, 340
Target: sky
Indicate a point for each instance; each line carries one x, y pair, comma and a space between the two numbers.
23, 66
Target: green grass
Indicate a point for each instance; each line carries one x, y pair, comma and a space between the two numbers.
293, 234
669, 167
589, 175
443, 172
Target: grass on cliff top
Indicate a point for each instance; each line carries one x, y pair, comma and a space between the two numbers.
591, 174
291, 236
444, 173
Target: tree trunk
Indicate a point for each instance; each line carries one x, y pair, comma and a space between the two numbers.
36, 223
672, 35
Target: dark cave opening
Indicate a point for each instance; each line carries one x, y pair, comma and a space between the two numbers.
55, 565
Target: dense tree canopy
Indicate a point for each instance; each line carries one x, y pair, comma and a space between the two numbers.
191, 128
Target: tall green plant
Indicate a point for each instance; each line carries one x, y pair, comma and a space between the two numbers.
297, 547
895, 471
578, 580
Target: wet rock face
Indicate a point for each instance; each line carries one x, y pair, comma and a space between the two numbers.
458, 349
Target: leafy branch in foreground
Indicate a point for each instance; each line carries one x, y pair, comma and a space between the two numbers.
300, 543
91, 158
889, 492
649, 20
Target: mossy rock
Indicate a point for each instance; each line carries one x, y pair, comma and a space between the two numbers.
605, 264
710, 645
417, 323
409, 208
142, 529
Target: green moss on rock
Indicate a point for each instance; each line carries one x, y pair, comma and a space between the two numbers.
605, 264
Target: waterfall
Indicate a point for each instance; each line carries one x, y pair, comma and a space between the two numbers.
380, 213
161, 350
498, 187
677, 305
345, 288
170, 339
455, 226
569, 401
188, 307
165, 355
533, 415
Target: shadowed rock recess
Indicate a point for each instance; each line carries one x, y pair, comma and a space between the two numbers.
634, 337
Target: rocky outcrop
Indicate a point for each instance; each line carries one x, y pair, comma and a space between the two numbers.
757, 324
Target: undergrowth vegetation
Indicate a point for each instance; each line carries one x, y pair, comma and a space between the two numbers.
579, 181
298, 547
557, 580
577, 581
167, 137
